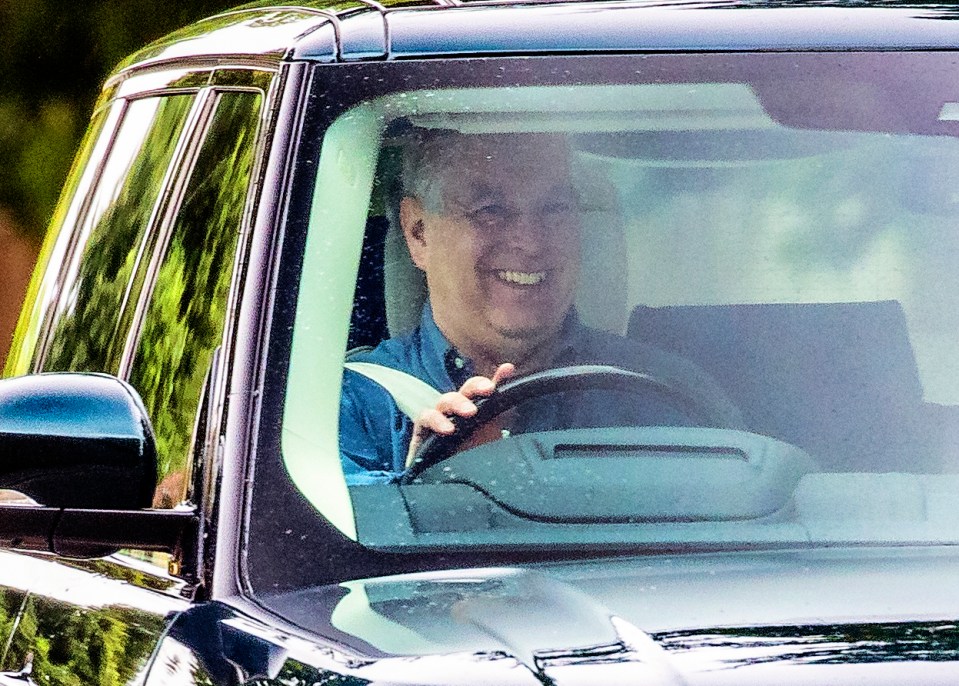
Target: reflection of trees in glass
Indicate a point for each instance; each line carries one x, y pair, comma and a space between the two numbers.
51, 69
297, 674
106, 569
824, 644
11, 603
185, 319
76, 647
85, 325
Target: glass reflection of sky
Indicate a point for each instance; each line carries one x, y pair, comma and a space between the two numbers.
59, 582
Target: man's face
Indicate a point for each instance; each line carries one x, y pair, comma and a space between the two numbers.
501, 248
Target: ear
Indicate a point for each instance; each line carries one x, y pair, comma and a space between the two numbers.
413, 225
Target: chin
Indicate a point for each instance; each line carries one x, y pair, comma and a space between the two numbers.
528, 329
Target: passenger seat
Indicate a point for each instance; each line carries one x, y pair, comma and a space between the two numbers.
837, 379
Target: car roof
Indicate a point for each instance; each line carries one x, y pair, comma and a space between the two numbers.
355, 30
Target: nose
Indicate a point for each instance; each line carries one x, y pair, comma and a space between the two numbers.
526, 231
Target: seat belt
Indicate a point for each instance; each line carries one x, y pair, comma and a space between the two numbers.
411, 395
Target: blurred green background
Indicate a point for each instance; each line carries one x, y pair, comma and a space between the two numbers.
54, 56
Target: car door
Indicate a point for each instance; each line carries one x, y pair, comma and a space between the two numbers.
148, 249
64, 617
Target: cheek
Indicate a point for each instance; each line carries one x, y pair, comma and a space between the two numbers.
451, 268
567, 252
568, 242
458, 251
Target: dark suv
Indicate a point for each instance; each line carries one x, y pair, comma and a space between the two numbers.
718, 240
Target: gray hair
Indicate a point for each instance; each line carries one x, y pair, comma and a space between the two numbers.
427, 154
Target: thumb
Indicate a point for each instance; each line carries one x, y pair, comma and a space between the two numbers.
503, 372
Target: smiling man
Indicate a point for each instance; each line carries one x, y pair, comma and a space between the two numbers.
494, 222
497, 235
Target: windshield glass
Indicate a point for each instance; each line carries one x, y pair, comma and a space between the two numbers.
716, 294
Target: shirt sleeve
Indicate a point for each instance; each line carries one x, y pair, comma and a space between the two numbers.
374, 434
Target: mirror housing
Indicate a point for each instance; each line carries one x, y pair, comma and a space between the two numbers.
81, 446
71, 440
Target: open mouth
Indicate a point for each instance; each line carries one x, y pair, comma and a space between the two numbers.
521, 278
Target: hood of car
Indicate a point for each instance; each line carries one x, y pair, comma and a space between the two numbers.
703, 618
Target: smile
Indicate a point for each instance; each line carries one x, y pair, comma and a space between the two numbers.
522, 278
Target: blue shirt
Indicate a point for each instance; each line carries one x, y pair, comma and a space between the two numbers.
375, 434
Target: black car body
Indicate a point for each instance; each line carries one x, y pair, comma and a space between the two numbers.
783, 172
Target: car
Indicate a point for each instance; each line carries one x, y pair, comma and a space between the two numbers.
759, 195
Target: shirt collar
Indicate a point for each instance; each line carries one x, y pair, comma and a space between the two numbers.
449, 369
573, 339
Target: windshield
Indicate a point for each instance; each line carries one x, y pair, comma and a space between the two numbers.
716, 296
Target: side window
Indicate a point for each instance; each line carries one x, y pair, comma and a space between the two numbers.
184, 317
127, 196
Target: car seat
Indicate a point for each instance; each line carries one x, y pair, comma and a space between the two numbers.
837, 379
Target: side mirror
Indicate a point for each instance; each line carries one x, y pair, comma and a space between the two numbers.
76, 440
82, 447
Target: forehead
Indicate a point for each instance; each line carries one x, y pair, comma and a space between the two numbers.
496, 162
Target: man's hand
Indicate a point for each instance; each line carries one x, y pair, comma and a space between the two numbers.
436, 420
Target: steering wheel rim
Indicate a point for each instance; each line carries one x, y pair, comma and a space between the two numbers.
437, 447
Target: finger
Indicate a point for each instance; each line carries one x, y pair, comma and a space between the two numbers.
477, 386
432, 421
483, 386
429, 421
455, 403
415, 442
503, 372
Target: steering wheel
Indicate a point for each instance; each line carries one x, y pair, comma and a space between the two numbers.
437, 447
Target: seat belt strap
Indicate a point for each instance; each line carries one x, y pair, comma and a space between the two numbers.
410, 394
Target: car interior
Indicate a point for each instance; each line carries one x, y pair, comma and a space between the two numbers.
808, 315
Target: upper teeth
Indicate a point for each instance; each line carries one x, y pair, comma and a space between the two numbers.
523, 278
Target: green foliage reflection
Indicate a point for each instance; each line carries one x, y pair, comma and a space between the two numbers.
76, 647
298, 674
54, 57
185, 320
85, 328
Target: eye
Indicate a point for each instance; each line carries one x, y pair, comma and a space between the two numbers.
491, 214
559, 207
561, 210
